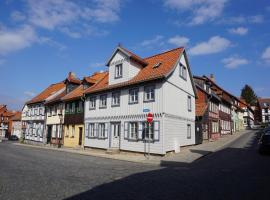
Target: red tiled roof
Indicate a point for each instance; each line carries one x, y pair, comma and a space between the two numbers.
135, 57
264, 100
78, 92
72, 78
57, 98
167, 59
46, 93
17, 116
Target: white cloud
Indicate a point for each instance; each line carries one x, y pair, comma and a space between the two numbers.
202, 10
29, 94
178, 40
50, 14
234, 62
239, 31
254, 19
17, 16
13, 40
157, 40
266, 55
213, 45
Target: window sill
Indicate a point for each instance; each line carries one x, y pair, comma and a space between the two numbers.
102, 107
131, 103
149, 101
92, 108
118, 105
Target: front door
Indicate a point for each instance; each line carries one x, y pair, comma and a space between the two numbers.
115, 134
49, 133
80, 135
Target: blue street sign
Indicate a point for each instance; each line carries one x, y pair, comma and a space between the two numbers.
146, 110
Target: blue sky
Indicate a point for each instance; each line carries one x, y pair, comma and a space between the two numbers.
41, 41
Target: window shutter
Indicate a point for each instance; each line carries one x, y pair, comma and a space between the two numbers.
126, 125
156, 125
86, 130
106, 130
140, 131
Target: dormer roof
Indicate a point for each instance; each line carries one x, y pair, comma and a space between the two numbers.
129, 54
71, 78
149, 72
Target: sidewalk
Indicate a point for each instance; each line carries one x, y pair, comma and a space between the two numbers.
186, 155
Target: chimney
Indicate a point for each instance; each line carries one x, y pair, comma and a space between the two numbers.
71, 75
212, 77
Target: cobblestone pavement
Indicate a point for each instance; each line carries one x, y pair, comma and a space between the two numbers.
235, 172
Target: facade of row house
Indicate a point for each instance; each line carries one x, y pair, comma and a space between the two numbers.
217, 111
17, 125
33, 115
207, 109
74, 112
248, 114
55, 111
116, 107
264, 107
3, 122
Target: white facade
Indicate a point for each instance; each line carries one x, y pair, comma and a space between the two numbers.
33, 116
124, 126
248, 117
265, 115
17, 128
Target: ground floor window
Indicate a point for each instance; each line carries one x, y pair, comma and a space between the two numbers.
91, 131
189, 131
148, 131
215, 128
101, 130
133, 130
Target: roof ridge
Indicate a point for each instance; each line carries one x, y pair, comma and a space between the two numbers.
174, 49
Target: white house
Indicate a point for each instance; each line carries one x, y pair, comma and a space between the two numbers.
116, 107
264, 104
33, 114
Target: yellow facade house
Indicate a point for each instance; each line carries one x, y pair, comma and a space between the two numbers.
74, 112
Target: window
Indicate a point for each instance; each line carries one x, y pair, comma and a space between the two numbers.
116, 99
49, 112
134, 95
36, 111
92, 103
118, 71
101, 130
53, 131
41, 111
188, 131
73, 131
147, 132
267, 118
80, 108
103, 101
59, 131
215, 127
183, 71
266, 110
73, 106
53, 110
133, 130
67, 108
67, 131
91, 130
149, 93
189, 104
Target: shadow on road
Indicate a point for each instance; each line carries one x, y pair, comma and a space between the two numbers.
231, 173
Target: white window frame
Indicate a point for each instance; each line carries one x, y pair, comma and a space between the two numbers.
146, 128
189, 103
116, 98
134, 96
103, 101
118, 71
73, 131
149, 93
133, 130
183, 71
101, 131
91, 130
92, 103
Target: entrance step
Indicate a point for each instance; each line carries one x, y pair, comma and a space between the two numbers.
113, 151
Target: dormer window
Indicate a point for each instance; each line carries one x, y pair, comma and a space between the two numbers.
118, 71
183, 71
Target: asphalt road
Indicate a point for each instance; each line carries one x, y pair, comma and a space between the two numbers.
235, 172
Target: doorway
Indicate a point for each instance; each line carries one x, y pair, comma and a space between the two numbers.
115, 134
80, 135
